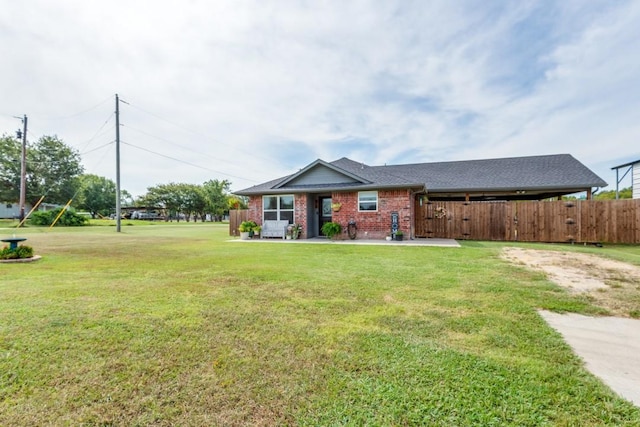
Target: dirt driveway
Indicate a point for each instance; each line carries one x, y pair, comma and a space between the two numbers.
610, 346
612, 285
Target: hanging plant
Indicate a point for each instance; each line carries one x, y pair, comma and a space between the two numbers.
336, 206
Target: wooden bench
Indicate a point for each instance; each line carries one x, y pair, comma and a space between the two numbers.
274, 229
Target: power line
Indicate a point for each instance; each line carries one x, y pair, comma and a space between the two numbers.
179, 145
185, 162
97, 148
71, 116
95, 135
190, 130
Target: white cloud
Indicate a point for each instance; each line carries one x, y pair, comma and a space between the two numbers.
256, 90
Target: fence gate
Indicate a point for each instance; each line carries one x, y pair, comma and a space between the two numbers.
464, 220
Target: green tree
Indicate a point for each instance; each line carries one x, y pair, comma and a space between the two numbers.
177, 198
126, 199
217, 197
193, 202
625, 193
11, 150
97, 195
237, 202
190, 200
52, 169
164, 196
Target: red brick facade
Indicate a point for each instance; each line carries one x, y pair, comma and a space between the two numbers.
371, 224
375, 224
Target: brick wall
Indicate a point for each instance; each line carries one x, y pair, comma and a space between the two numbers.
371, 225
374, 225
300, 212
255, 209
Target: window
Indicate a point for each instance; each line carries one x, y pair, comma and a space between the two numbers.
367, 201
278, 208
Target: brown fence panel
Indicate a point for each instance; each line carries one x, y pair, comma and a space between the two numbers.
489, 220
557, 221
611, 221
235, 219
588, 221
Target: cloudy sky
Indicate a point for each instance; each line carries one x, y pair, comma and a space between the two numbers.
253, 90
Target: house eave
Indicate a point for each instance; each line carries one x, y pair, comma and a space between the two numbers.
331, 189
537, 189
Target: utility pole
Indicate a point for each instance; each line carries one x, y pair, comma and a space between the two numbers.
23, 169
118, 209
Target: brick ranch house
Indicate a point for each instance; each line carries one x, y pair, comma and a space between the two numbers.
344, 190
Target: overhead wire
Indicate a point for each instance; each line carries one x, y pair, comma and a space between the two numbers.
79, 113
97, 148
176, 144
95, 135
187, 129
99, 132
182, 161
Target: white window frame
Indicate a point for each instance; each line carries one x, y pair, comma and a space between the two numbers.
369, 194
278, 208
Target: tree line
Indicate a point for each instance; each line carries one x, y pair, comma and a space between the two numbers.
54, 170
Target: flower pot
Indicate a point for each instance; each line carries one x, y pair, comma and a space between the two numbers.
399, 237
244, 235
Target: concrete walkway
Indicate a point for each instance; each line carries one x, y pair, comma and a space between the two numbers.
448, 243
610, 347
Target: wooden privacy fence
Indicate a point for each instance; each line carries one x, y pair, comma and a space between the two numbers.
235, 219
589, 221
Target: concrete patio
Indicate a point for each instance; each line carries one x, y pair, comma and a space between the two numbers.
448, 243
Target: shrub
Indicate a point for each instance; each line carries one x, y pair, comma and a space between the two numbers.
331, 229
68, 218
247, 226
22, 251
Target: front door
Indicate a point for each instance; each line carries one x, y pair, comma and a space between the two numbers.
325, 212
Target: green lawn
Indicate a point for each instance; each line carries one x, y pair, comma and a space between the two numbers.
173, 325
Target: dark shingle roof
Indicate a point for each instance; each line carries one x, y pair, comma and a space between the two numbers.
550, 172
523, 173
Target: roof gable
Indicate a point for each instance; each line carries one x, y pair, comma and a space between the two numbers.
321, 173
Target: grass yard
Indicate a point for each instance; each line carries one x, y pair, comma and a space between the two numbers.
170, 324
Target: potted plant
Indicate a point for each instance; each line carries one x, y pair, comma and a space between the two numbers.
256, 230
331, 229
246, 229
399, 235
336, 206
295, 230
